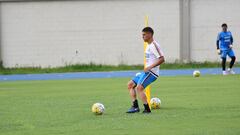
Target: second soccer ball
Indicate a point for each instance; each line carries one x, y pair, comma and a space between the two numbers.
196, 73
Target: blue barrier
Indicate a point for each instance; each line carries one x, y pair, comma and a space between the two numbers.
112, 74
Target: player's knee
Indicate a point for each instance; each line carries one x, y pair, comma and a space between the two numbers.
140, 88
233, 58
130, 85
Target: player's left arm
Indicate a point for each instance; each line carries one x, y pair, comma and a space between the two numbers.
160, 58
159, 61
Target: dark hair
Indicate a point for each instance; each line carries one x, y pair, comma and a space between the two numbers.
224, 25
148, 29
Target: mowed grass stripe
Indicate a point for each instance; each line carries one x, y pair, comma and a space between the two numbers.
209, 105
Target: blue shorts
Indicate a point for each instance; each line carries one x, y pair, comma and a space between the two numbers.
145, 78
225, 53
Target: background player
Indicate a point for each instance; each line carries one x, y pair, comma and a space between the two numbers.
224, 48
154, 57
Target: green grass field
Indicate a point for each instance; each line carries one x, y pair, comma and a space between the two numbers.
209, 105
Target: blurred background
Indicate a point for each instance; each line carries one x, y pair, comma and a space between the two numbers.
36, 33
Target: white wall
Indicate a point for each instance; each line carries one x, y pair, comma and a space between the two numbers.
56, 33
206, 19
69, 32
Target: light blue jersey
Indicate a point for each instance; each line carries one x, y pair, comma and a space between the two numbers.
224, 40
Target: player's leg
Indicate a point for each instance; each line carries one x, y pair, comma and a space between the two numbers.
134, 108
224, 59
141, 93
132, 92
143, 82
224, 64
143, 97
131, 87
233, 58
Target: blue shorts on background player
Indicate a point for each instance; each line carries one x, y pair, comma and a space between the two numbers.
224, 48
229, 53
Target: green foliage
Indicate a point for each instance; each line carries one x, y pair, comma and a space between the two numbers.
93, 67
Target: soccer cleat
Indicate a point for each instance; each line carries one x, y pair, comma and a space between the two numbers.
230, 71
225, 73
146, 111
133, 110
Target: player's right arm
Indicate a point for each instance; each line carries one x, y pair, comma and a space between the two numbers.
217, 43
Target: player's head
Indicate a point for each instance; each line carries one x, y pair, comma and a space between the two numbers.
224, 27
147, 34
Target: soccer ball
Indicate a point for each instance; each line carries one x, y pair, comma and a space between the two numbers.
196, 73
155, 103
98, 108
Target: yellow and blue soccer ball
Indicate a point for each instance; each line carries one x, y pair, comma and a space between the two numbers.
155, 103
98, 108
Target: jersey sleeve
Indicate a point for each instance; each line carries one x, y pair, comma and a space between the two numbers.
219, 36
156, 50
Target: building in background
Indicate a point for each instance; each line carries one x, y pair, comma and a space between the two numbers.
57, 33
